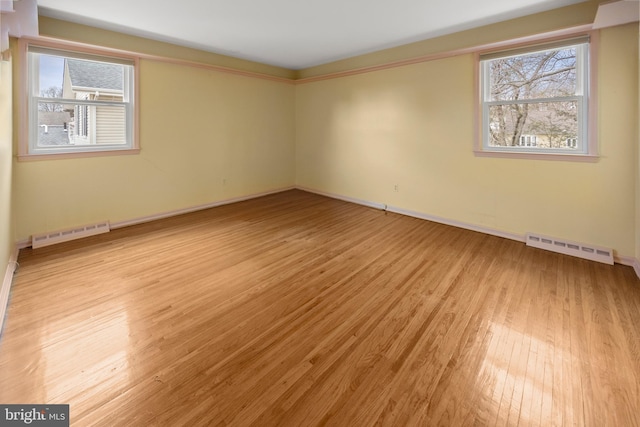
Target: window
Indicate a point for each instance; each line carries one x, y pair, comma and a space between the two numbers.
78, 102
535, 100
527, 140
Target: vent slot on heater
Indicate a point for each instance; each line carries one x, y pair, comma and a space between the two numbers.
590, 252
41, 240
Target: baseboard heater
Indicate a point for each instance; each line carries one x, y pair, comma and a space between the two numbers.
41, 240
593, 253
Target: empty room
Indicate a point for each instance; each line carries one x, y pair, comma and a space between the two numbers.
340, 213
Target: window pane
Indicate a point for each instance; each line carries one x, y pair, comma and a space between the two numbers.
110, 124
53, 123
547, 125
72, 78
538, 75
76, 125
51, 76
79, 101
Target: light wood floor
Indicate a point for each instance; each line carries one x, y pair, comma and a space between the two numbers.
299, 310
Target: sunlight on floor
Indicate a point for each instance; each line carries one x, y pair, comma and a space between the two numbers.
521, 378
98, 360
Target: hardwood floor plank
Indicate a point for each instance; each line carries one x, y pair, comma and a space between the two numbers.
295, 309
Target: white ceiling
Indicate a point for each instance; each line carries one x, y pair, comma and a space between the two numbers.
294, 34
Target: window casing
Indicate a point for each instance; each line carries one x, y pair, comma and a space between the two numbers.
535, 100
78, 102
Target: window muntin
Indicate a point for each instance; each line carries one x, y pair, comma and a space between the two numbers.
541, 94
79, 102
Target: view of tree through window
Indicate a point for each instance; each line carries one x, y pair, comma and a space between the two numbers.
535, 100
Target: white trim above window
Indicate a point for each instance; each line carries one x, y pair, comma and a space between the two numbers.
538, 101
78, 101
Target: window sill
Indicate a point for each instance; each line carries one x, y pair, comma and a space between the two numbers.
76, 155
584, 158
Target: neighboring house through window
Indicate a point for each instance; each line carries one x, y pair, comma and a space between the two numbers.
79, 102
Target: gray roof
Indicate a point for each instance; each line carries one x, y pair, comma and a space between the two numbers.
56, 135
95, 75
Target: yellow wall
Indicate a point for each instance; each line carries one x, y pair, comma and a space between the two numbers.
7, 242
208, 136
361, 135
205, 136
565, 17
637, 234
81, 33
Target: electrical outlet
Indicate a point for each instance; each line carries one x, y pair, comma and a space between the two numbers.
396, 188
224, 181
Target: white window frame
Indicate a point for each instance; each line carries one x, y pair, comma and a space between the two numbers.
28, 148
588, 69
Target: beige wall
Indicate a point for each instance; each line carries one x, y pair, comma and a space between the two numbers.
361, 135
618, 112
205, 136
637, 234
208, 136
81, 33
565, 17
7, 242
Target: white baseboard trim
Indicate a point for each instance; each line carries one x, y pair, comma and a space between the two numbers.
618, 259
420, 215
177, 212
23, 244
362, 202
630, 261
459, 224
26, 243
624, 260
5, 290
